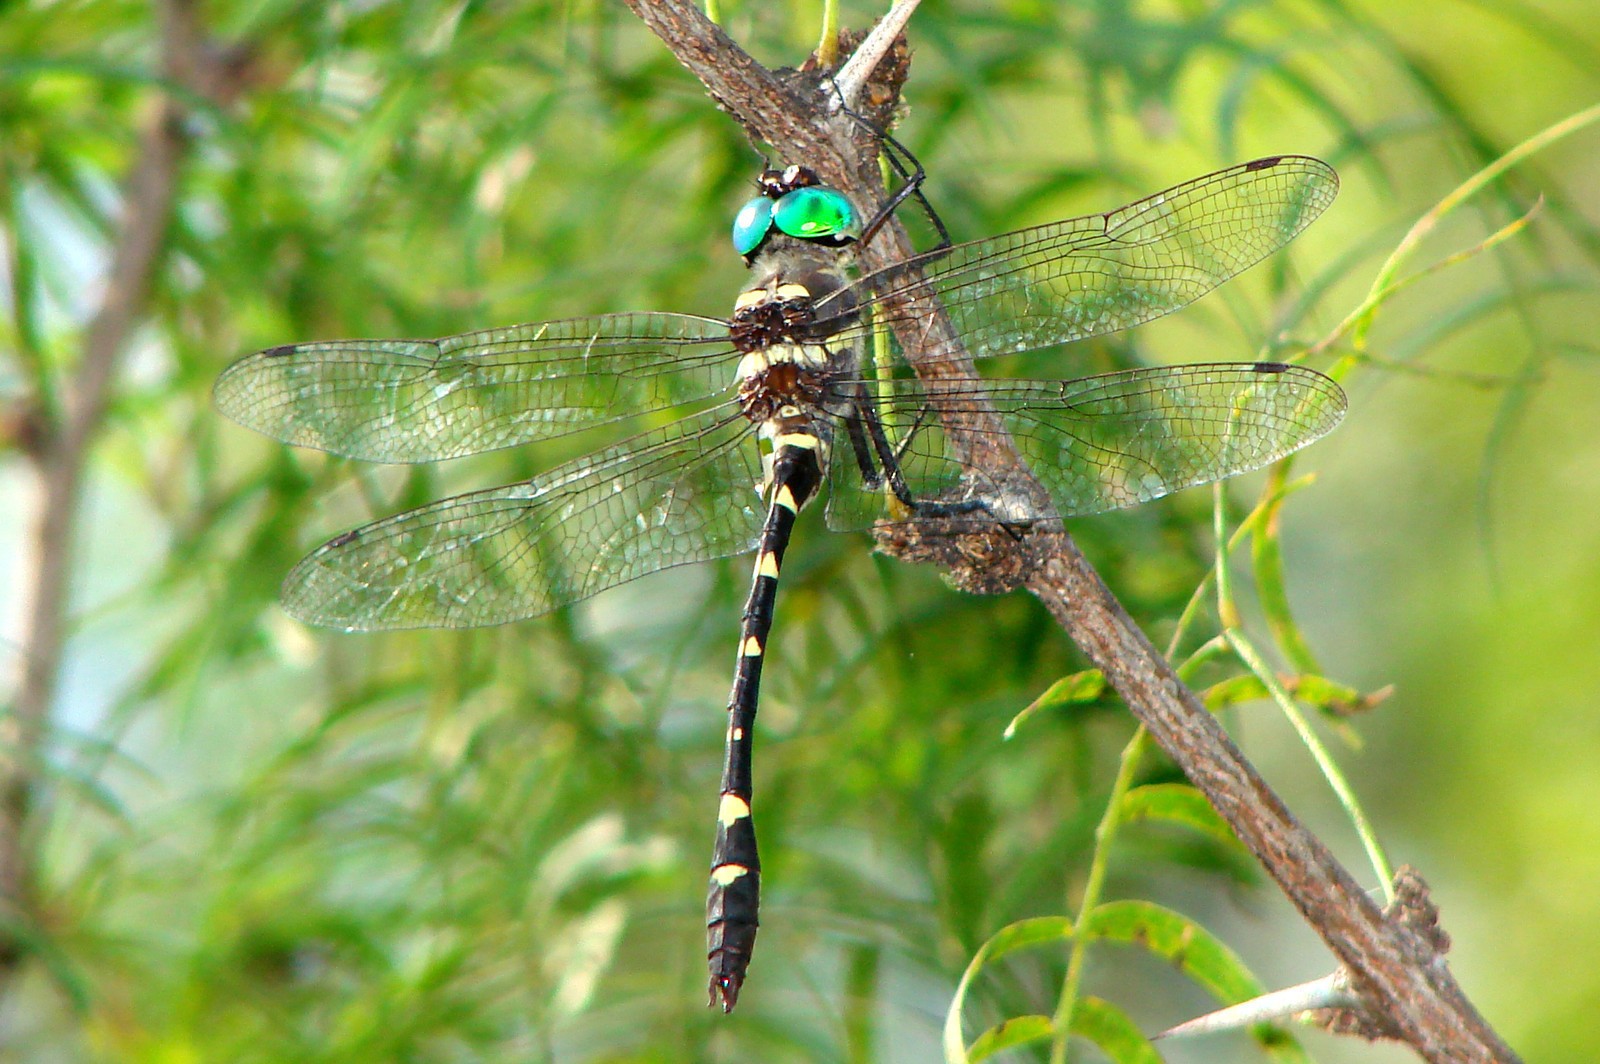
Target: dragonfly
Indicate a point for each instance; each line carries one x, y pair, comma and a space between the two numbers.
731, 425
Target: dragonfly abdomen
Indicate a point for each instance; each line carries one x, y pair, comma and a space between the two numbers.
733, 897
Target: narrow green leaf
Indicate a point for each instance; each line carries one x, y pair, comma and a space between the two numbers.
1080, 688
1017, 1031
1266, 553
1109, 1028
1234, 691
1175, 803
1329, 696
1020, 935
1340, 700
1196, 952
1095, 1020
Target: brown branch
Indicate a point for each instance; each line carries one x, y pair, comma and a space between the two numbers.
60, 448
1397, 970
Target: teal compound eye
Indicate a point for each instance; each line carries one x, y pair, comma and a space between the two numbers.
751, 225
817, 213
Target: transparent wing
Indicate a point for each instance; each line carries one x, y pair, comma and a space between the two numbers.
1087, 276
681, 493
423, 400
1099, 443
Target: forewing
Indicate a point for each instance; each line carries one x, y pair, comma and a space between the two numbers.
1100, 443
423, 400
681, 493
1083, 277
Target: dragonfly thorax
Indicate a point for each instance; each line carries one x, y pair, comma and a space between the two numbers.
787, 362
783, 384
765, 316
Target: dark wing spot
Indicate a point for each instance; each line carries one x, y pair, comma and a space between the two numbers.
281, 351
1263, 164
339, 541
1270, 367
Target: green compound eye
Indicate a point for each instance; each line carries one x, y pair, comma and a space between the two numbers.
751, 224
813, 213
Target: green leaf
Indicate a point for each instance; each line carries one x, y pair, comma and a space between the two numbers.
1193, 950
1109, 1028
1175, 803
1329, 696
1234, 691
1017, 1031
1266, 551
1095, 1020
1021, 935
1080, 688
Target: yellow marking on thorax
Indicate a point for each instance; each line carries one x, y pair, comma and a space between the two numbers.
725, 875
750, 298
752, 365
785, 499
804, 440
807, 356
791, 290
751, 648
733, 808
767, 565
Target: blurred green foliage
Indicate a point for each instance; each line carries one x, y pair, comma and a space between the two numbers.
264, 843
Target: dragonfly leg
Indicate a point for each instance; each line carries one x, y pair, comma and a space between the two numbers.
909, 169
870, 445
894, 475
855, 427
733, 897
894, 151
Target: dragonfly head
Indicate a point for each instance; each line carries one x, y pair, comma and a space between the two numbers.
794, 202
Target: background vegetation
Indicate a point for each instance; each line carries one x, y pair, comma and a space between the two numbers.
252, 841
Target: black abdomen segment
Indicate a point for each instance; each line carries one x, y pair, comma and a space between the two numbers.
735, 891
